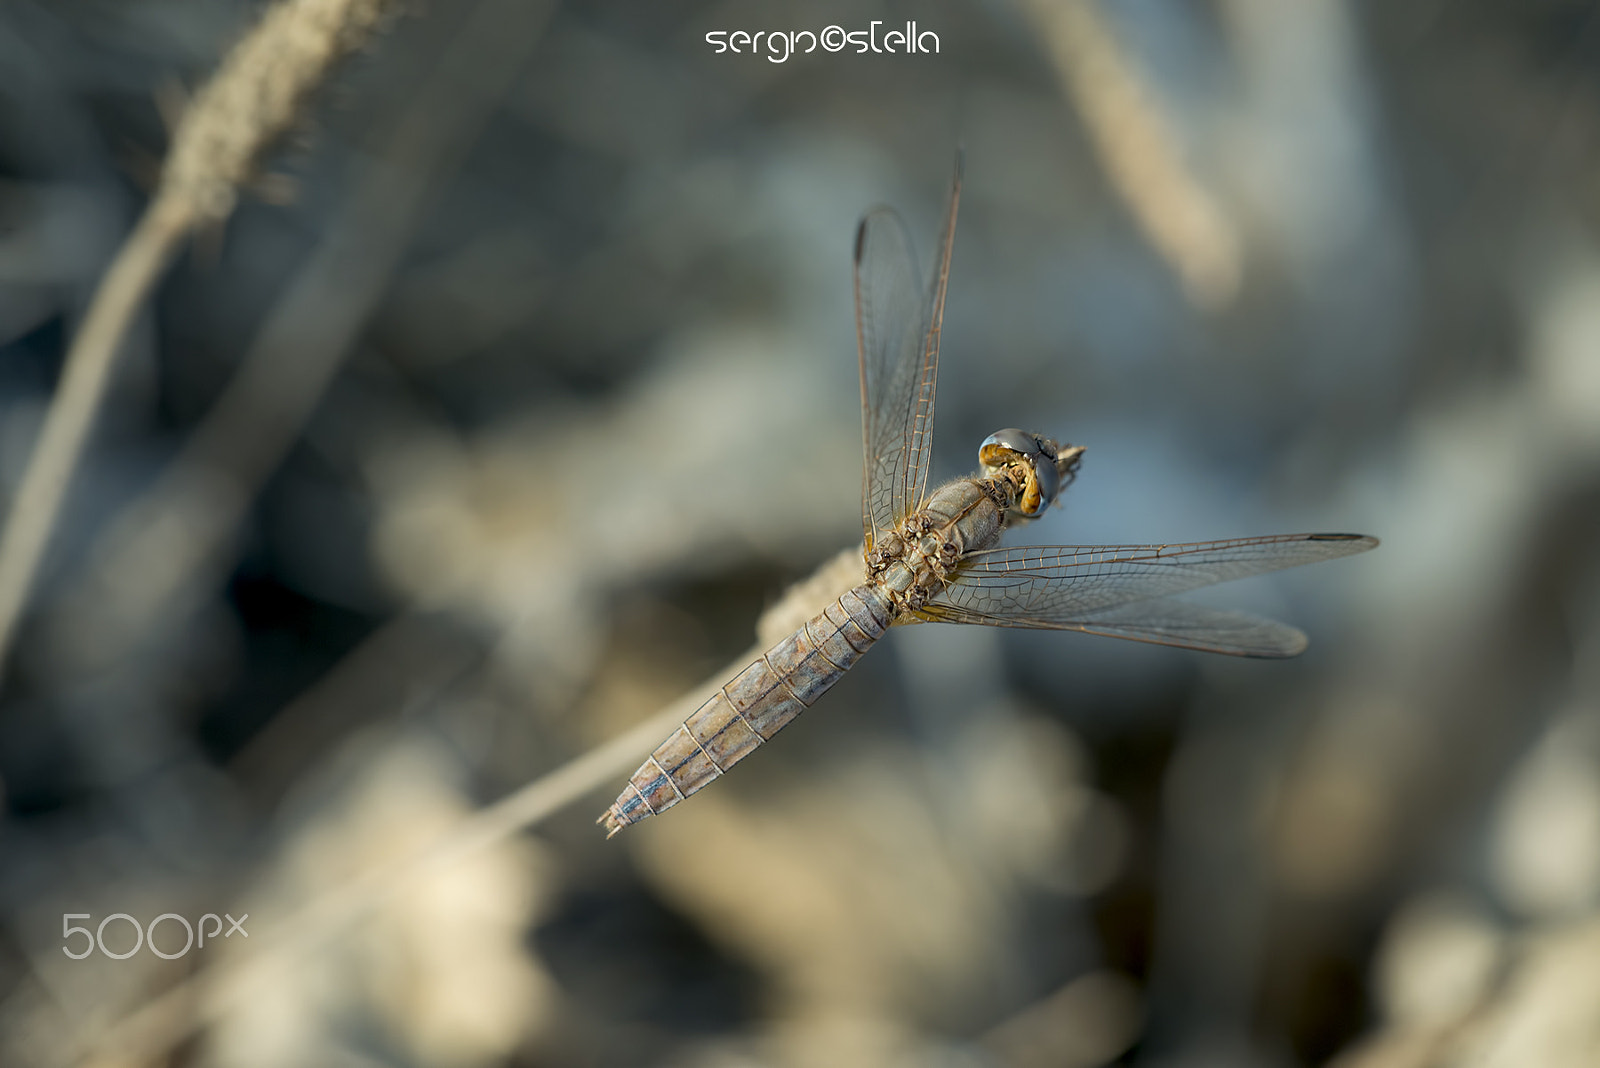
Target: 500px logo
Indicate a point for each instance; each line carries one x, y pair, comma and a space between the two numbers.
780, 45
141, 935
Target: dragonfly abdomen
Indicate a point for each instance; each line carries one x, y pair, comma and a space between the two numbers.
754, 706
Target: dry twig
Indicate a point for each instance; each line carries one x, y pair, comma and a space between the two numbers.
167, 1019
169, 548
255, 97
1139, 152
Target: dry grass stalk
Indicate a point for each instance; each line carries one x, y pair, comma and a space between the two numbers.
1139, 151
160, 1024
251, 101
258, 95
167, 1019
168, 550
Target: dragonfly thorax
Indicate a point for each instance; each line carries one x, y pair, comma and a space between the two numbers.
914, 561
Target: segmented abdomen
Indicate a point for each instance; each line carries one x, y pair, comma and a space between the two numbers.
753, 707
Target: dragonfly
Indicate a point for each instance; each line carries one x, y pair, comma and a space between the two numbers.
935, 557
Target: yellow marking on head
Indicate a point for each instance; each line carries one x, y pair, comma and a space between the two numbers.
1031, 497
995, 455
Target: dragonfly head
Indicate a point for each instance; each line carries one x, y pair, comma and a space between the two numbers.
1039, 467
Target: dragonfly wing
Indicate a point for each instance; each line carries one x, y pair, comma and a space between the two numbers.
1121, 589
897, 334
1161, 620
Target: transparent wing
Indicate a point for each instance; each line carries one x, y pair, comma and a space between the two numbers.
1163, 621
897, 333
1122, 590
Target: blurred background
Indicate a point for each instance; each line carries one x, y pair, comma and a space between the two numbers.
523, 380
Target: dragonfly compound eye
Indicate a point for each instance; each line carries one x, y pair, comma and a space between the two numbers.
1042, 478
